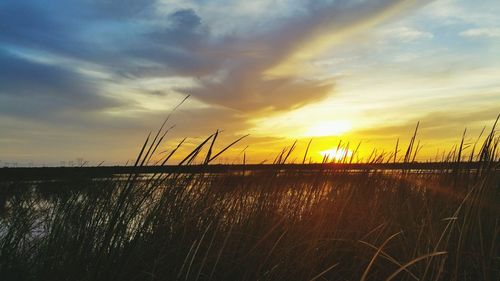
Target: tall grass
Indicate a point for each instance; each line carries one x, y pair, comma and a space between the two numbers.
261, 225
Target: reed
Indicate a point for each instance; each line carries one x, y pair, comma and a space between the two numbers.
274, 224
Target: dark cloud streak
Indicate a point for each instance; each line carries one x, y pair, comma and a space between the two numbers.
131, 39
245, 85
35, 90
230, 68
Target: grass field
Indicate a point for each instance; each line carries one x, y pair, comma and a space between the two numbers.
270, 224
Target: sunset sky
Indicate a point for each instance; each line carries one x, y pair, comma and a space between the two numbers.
89, 79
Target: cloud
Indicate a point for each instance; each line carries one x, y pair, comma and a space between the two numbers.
129, 42
485, 32
117, 9
242, 80
435, 125
408, 34
134, 39
184, 31
34, 90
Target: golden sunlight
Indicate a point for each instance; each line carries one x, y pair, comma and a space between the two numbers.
336, 154
329, 128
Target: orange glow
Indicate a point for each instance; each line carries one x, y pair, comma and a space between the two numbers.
329, 128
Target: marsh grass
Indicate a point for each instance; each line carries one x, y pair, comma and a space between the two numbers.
260, 225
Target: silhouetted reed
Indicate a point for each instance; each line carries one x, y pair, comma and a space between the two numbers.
273, 224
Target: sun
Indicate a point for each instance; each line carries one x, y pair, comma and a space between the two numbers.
329, 128
336, 154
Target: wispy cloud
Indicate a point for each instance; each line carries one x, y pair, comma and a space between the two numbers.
230, 68
100, 66
35, 90
488, 32
407, 34
242, 80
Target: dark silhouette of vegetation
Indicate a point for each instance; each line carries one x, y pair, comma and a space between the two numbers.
410, 223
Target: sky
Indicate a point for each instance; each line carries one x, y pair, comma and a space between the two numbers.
89, 79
